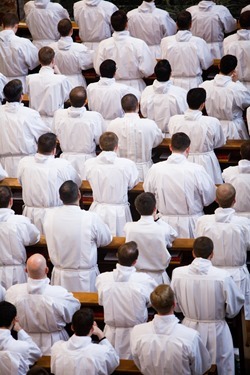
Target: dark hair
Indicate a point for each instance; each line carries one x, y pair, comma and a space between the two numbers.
46, 55
119, 20
129, 103
203, 247
13, 90
245, 20
78, 96
228, 63
108, 68
127, 253
82, 321
163, 70
10, 20
68, 192
64, 27
145, 203
245, 150
7, 314
184, 20
37, 370
196, 97
5, 196
180, 142
108, 141
46, 143
162, 299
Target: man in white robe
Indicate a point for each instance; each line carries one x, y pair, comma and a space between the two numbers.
78, 130
42, 17
137, 136
124, 295
3, 81
162, 100
12, 363
16, 232
227, 98
110, 178
79, 355
23, 351
205, 133
132, 56
181, 188
210, 21
80, 232
48, 89
206, 295
41, 176
20, 128
93, 19
43, 310
188, 55
71, 58
17, 55
163, 346
151, 24
153, 236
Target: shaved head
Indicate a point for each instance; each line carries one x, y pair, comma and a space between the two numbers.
37, 267
225, 195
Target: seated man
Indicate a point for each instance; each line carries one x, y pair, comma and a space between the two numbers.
124, 295
176, 349
20, 128
181, 188
137, 136
24, 351
80, 232
78, 130
79, 354
152, 238
110, 178
48, 89
43, 310
16, 232
162, 100
41, 176
212, 296
205, 133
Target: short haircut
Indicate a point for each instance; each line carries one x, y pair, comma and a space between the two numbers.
184, 20
64, 27
196, 97
78, 96
225, 195
5, 196
108, 68
13, 90
7, 314
82, 322
37, 370
228, 63
129, 103
46, 55
245, 150
203, 247
163, 70
108, 141
119, 20
127, 253
162, 299
145, 203
10, 20
180, 142
245, 20
68, 192
46, 143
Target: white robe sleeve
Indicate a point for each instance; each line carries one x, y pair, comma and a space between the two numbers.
234, 298
101, 233
30, 350
200, 358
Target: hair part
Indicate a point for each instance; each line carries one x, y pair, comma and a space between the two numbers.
145, 203
82, 322
225, 195
78, 96
203, 247
46, 56
196, 97
119, 20
184, 20
180, 142
46, 143
13, 90
108, 68
127, 254
163, 70
7, 314
64, 27
5, 196
162, 299
108, 141
228, 64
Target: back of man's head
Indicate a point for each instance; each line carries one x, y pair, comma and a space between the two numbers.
64, 27
119, 20
145, 203
9, 20
46, 143
68, 192
196, 97
108, 141
162, 299
7, 314
108, 68
245, 20
228, 64
37, 370
184, 20
127, 254
180, 142
82, 322
245, 150
5, 196
36, 267
46, 55
78, 96
225, 195
163, 70
13, 90
129, 103
203, 247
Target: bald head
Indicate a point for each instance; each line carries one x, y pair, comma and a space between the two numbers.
225, 195
37, 267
